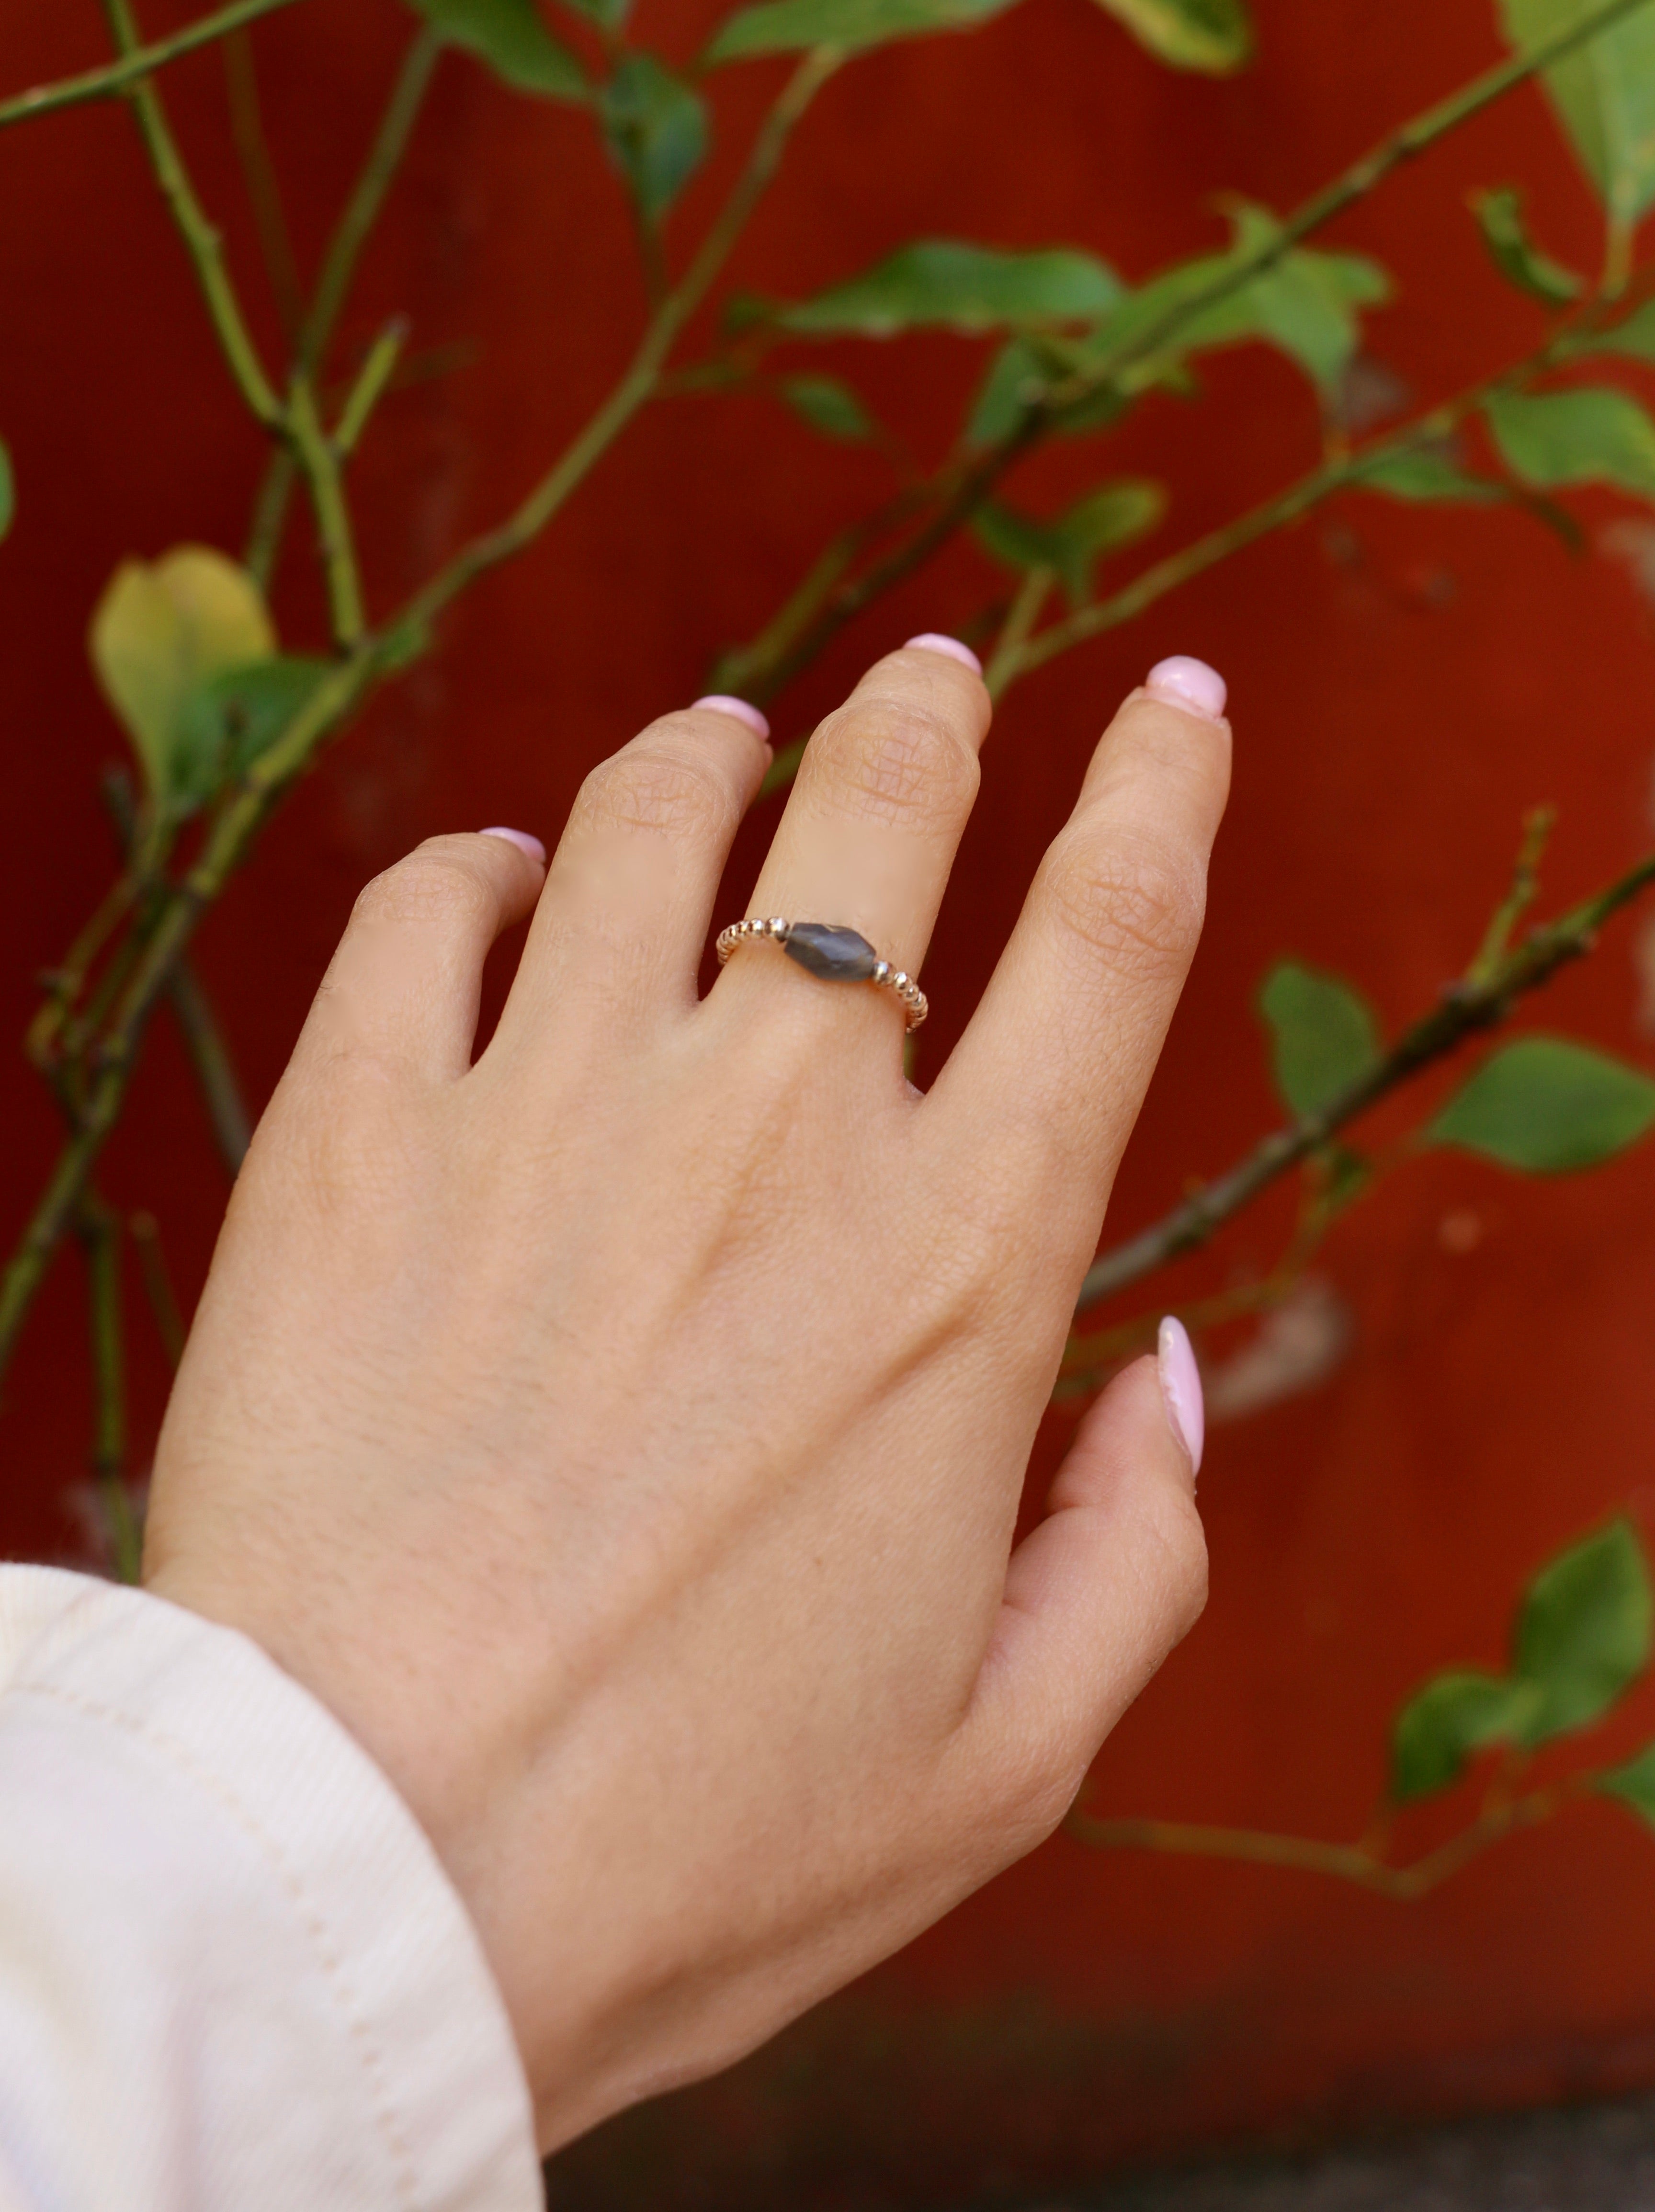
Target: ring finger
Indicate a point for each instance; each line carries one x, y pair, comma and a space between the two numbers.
876, 814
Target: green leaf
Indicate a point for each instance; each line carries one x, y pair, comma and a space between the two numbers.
1305, 304
1323, 1035
1589, 436
160, 632
1635, 336
1632, 1783
7, 491
1427, 472
510, 36
1017, 373
608, 14
228, 721
1070, 545
1455, 1714
1546, 1106
655, 128
945, 283
1583, 1633
828, 406
786, 26
1514, 253
1604, 93
1212, 35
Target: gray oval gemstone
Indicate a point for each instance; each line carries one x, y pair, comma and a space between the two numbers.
840, 955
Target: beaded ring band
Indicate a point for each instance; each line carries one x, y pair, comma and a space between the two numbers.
836, 954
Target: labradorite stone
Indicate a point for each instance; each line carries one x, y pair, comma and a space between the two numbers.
840, 955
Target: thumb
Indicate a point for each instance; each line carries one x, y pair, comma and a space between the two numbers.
1114, 1577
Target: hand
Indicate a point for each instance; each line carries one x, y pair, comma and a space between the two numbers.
623, 1435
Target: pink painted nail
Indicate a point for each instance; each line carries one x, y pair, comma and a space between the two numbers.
931, 641
743, 710
523, 840
1190, 684
1181, 1388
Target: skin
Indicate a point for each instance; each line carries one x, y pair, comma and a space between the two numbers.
623, 1434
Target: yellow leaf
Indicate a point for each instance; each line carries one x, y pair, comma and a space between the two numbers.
162, 630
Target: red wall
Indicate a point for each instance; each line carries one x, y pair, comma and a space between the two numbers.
1405, 683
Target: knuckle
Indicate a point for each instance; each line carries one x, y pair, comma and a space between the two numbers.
894, 761
665, 787
438, 882
1132, 901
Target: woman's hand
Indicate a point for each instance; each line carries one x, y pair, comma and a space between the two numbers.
623, 1435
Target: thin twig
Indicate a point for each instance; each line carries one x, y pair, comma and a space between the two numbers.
100, 1232
638, 383
964, 482
205, 247
145, 1231
264, 188
209, 1055
1351, 1863
320, 460
1525, 889
1467, 1009
361, 211
118, 77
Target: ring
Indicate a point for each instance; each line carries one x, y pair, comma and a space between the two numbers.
830, 950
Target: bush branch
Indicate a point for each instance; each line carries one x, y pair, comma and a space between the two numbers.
1476, 1003
119, 77
339, 694
1353, 1863
962, 485
201, 238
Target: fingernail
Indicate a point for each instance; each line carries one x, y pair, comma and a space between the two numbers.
931, 641
742, 710
1181, 1387
1190, 684
523, 840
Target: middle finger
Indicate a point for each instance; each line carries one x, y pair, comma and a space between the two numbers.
876, 814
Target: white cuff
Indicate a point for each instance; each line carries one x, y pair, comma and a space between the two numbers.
232, 1971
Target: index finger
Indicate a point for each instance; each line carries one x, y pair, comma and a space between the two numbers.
1053, 1067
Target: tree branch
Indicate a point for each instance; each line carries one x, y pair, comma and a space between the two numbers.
100, 1232
962, 485
1475, 1004
119, 77
334, 698
1351, 1863
200, 239
639, 382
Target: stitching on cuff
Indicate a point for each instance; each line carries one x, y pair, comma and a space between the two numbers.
179, 1754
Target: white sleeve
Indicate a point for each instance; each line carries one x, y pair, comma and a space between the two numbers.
234, 1975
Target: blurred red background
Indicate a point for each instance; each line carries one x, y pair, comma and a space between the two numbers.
1403, 682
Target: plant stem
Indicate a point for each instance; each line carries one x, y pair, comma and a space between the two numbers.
1467, 1008
209, 1055
365, 395
264, 191
1026, 610
336, 696
145, 1231
1351, 1863
361, 212
117, 77
960, 486
320, 463
642, 376
205, 247
1336, 474
367, 196
100, 1232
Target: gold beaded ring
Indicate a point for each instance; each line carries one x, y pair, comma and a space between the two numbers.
838, 955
